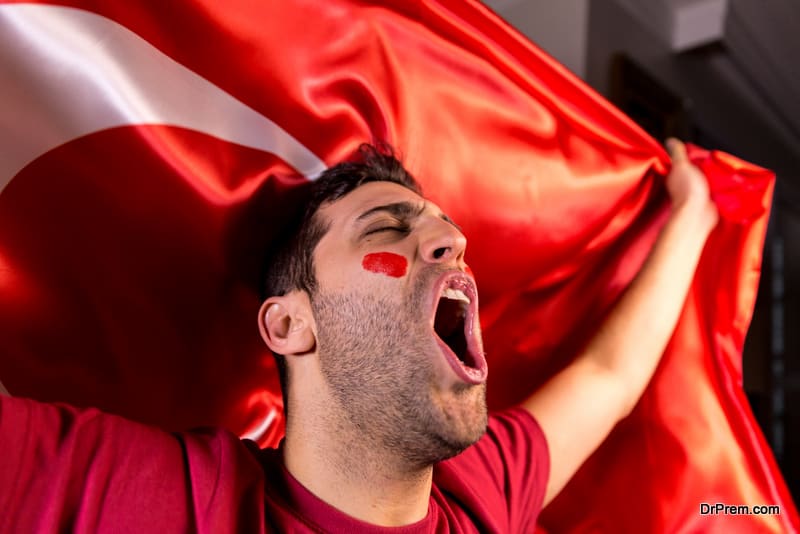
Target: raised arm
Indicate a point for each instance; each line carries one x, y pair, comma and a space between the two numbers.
579, 406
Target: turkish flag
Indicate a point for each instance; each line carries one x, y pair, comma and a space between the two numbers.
150, 154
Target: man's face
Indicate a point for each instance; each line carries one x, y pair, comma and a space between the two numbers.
397, 323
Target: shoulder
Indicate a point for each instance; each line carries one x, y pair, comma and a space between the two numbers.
226, 480
93, 468
505, 472
512, 436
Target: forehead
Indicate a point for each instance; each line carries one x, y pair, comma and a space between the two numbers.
370, 195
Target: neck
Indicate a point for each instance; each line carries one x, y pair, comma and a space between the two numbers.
356, 476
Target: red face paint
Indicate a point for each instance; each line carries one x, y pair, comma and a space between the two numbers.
386, 263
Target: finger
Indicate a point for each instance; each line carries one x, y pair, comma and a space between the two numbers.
677, 150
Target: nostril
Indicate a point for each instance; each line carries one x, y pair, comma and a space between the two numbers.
439, 252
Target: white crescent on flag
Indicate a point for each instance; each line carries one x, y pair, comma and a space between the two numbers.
67, 73
110, 77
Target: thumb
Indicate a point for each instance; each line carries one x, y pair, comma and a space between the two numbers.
677, 151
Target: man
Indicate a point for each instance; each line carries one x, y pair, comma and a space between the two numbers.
373, 317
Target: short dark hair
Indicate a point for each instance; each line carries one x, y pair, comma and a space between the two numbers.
292, 266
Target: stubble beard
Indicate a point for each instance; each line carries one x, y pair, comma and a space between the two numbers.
375, 357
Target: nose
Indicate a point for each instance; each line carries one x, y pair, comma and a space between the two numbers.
442, 242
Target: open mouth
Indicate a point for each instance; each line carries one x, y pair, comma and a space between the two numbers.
453, 324
449, 322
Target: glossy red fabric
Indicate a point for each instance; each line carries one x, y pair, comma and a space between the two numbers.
130, 255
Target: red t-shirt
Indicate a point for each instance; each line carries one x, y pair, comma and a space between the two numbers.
64, 469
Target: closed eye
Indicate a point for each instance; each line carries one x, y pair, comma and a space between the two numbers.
399, 229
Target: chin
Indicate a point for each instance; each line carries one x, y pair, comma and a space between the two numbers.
464, 423
453, 445
439, 427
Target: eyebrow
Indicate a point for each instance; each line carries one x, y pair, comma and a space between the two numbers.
403, 211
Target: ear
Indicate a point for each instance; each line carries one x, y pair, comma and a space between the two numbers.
285, 324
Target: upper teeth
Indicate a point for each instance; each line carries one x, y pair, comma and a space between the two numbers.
455, 294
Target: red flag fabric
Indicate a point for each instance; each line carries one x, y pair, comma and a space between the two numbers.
150, 154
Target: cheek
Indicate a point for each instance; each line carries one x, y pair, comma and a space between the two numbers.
387, 263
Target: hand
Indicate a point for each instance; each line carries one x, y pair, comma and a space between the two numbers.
688, 186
